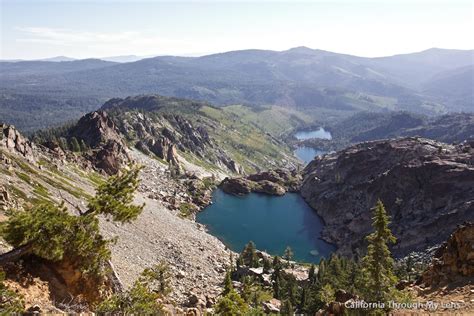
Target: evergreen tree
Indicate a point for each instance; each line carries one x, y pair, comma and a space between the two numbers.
303, 300
249, 255
63, 143
228, 287
75, 145
287, 308
231, 262
326, 294
239, 263
83, 146
377, 265
267, 265
276, 263
277, 287
52, 233
312, 273
143, 297
231, 304
115, 197
288, 255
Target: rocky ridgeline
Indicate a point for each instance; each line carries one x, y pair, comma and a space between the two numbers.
454, 260
98, 131
273, 182
427, 188
165, 134
12, 140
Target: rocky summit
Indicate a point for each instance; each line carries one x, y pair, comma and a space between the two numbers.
426, 186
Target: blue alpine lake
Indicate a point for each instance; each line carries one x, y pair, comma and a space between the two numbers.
271, 222
319, 133
306, 154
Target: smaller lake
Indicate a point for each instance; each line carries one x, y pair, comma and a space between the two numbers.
271, 222
319, 133
306, 154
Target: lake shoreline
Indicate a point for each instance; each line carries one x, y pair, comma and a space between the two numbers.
272, 222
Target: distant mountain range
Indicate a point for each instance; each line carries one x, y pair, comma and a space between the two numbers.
117, 59
316, 82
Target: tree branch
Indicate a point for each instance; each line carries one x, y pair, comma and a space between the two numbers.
116, 284
15, 254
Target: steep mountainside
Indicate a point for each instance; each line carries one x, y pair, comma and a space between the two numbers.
453, 86
426, 186
179, 132
32, 174
302, 78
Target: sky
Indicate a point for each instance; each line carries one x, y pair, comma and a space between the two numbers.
37, 29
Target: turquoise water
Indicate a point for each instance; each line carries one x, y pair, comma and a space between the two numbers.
319, 133
272, 222
307, 154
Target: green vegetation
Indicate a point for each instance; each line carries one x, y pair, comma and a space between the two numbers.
377, 265
231, 304
52, 233
142, 298
10, 302
186, 210
24, 177
372, 278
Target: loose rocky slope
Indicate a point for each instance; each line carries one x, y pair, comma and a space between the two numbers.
197, 259
426, 186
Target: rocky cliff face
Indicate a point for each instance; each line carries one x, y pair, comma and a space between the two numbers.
454, 260
166, 134
427, 188
12, 140
99, 132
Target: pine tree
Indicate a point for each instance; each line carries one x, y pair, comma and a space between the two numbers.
287, 308
288, 255
312, 273
228, 287
63, 143
249, 255
231, 304
276, 264
267, 265
277, 287
83, 146
377, 265
231, 262
239, 262
75, 145
52, 233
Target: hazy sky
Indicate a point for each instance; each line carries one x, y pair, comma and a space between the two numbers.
39, 29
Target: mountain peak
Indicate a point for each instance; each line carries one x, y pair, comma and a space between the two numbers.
301, 49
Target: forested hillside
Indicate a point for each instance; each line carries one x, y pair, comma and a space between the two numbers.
312, 81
